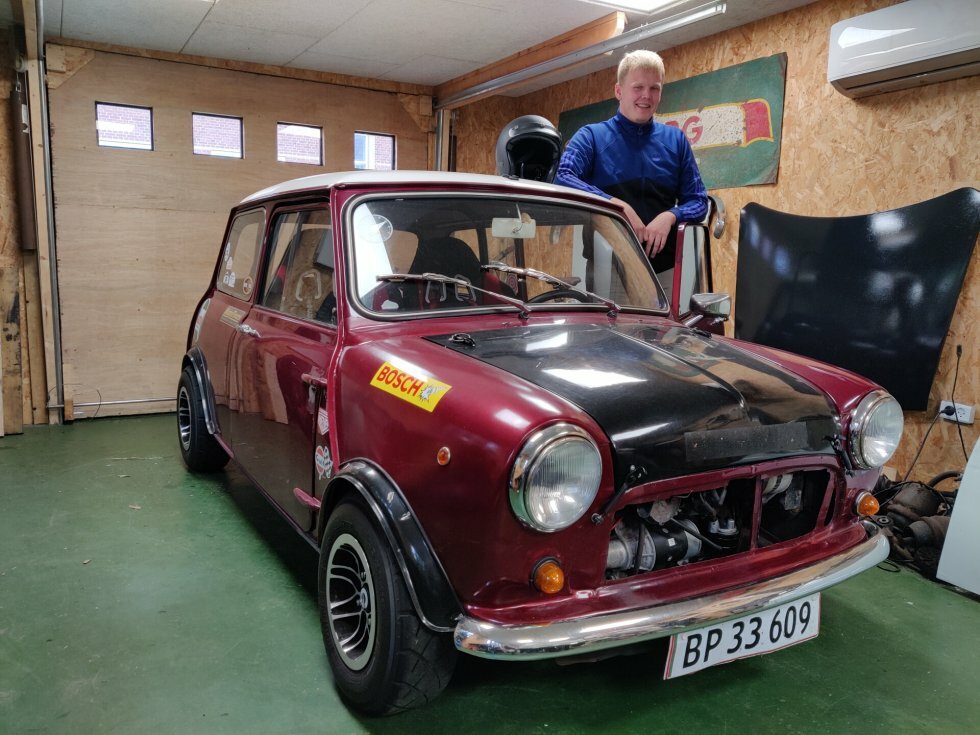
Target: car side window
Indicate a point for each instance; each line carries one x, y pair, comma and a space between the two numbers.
299, 273
239, 259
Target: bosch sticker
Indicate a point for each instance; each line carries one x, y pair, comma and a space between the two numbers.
322, 421
424, 392
324, 465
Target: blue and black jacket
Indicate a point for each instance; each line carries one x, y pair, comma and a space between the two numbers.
651, 167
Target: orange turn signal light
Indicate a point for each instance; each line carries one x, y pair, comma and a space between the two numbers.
866, 504
548, 577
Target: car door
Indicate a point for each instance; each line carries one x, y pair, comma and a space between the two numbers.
281, 363
691, 277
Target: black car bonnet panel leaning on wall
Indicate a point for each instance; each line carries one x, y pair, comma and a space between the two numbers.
671, 401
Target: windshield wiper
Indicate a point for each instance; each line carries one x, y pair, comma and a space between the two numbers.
439, 278
614, 308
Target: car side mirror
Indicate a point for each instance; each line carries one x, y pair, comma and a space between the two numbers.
716, 305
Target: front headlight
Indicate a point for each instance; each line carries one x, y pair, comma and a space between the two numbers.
876, 429
555, 478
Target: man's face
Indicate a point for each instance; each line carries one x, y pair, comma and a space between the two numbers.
639, 95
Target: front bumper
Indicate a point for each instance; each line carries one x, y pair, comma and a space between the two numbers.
588, 634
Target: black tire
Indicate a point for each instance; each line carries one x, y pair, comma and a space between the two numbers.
391, 662
200, 451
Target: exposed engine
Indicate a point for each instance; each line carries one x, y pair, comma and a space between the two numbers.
714, 523
915, 517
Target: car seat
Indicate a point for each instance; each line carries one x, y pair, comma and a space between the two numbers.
447, 256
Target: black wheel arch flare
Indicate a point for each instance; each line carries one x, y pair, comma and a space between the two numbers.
426, 579
194, 359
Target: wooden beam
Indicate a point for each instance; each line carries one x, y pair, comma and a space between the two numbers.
308, 75
11, 409
35, 79
32, 344
63, 62
582, 37
2, 371
419, 107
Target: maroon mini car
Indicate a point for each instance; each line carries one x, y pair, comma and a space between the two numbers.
474, 397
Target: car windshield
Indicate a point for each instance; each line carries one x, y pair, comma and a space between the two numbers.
526, 250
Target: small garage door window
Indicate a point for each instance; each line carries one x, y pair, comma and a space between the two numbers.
299, 144
217, 135
124, 126
374, 151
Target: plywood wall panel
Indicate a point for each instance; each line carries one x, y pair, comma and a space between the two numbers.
839, 157
478, 142
125, 330
138, 231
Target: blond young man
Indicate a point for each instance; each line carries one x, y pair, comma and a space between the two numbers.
644, 166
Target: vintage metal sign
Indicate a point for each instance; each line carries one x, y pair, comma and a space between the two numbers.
732, 118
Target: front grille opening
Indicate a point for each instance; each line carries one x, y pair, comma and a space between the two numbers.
712, 524
791, 505
682, 530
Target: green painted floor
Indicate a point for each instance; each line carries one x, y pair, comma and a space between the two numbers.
137, 598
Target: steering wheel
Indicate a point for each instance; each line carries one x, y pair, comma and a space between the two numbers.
560, 293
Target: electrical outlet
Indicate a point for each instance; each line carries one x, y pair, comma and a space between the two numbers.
964, 414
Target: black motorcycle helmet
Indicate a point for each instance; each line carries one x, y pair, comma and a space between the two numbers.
529, 148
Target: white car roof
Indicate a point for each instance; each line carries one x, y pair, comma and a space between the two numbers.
447, 178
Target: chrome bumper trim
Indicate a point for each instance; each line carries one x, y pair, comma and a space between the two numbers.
588, 634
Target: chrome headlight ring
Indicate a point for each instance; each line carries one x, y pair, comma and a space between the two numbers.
876, 429
555, 478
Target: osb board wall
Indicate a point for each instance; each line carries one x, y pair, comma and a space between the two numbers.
839, 157
477, 127
138, 231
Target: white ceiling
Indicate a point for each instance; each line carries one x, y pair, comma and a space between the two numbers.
419, 41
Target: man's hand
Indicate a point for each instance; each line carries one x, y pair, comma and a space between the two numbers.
654, 235
635, 222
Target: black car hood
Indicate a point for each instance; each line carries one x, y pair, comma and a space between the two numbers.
671, 400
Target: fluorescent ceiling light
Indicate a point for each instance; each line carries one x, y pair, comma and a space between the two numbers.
643, 6
637, 35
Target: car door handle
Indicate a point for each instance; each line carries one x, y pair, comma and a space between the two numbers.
313, 380
245, 329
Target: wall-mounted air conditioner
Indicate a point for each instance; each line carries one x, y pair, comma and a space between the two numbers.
906, 45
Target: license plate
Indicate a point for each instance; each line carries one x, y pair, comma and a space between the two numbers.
752, 635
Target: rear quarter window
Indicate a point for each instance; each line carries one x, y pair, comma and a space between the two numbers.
240, 256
